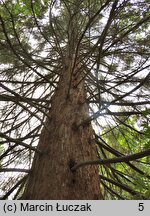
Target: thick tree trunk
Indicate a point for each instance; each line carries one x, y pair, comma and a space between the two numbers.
63, 144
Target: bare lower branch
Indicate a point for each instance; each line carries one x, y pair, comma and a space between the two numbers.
14, 170
113, 160
14, 187
17, 141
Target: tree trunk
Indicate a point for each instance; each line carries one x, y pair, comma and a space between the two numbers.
62, 145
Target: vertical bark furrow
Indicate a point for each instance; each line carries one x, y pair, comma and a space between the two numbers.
51, 176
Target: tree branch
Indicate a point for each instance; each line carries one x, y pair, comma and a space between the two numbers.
14, 170
14, 187
17, 141
113, 160
98, 113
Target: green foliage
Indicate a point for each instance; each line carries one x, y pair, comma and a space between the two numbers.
130, 141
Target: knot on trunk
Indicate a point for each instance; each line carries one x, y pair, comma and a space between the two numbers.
71, 164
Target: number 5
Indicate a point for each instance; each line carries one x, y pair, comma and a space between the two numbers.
141, 206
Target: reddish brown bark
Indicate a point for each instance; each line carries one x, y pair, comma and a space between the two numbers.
51, 177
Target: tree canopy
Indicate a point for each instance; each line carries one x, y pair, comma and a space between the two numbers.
110, 41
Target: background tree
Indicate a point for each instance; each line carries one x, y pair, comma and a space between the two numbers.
67, 67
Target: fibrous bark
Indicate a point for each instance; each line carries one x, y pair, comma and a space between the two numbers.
63, 145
